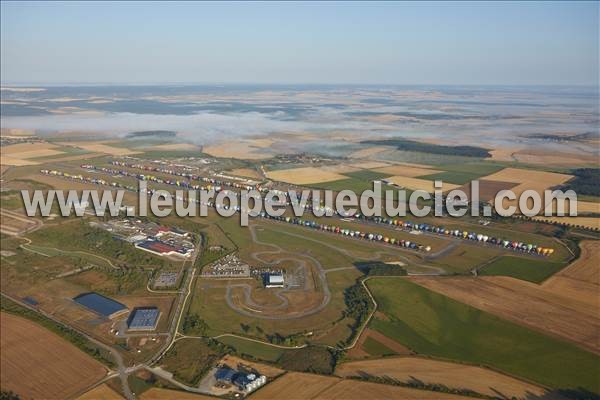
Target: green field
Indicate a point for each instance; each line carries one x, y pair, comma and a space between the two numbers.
366, 175
376, 349
253, 349
527, 269
434, 325
355, 184
465, 257
462, 173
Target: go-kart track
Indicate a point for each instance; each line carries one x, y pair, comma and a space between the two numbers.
307, 303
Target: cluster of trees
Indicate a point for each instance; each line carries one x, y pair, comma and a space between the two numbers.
586, 181
358, 307
69, 334
194, 325
411, 145
378, 268
289, 340
319, 360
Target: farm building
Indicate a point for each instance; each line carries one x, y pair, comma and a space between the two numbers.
101, 305
243, 381
143, 319
274, 280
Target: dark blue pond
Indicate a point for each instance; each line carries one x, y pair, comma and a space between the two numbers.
99, 304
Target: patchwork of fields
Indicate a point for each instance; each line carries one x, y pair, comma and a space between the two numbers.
522, 317
435, 325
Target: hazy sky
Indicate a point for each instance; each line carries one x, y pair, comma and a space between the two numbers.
403, 43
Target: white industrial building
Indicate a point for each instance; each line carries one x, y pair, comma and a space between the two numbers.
274, 280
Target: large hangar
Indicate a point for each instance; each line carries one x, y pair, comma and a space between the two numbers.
143, 319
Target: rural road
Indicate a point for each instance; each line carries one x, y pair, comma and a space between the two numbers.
34, 223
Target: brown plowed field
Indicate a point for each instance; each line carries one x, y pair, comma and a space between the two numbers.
525, 303
296, 385
36, 363
488, 189
452, 375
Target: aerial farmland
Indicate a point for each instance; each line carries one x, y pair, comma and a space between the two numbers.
361, 200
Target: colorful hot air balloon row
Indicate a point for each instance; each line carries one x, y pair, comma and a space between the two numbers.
473, 236
350, 233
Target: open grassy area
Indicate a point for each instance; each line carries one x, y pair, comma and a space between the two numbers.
190, 359
531, 270
432, 324
465, 257
78, 235
253, 349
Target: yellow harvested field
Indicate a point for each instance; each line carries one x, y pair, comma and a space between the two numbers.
370, 164
452, 375
586, 267
503, 154
405, 170
369, 152
100, 147
176, 147
588, 222
295, 385
16, 162
588, 207
261, 143
241, 149
527, 304
556, 158
340, 168
15, 149
537, 181
418, 184
301, 386
101, 392
31, 355
245, 172
581, 279
38, 153
304, 175
168, 394
527, 176
20, 154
